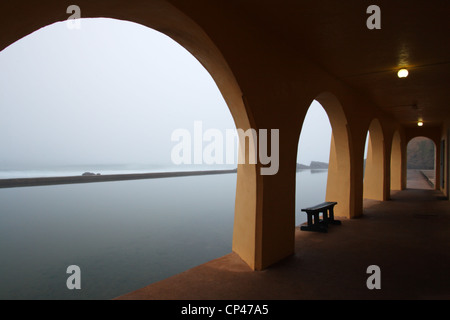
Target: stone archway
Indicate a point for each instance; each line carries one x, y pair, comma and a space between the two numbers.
167, 19
397, 182
339, 169
374, 173
422, 161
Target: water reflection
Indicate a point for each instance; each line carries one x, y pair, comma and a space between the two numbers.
123, 235
311, 186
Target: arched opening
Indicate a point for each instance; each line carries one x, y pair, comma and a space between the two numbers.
396, 162
106, 123
421, 160
312, 161
339, 165
366, 148
374, 164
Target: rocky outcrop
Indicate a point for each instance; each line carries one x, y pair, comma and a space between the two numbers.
317, 165
90, 174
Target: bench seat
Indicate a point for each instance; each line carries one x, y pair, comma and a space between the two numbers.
314, 223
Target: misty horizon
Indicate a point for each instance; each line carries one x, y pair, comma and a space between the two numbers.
111, 94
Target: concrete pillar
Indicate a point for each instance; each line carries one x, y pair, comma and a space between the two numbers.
339, 184
247, 211
375, 173
396, 163
264, 226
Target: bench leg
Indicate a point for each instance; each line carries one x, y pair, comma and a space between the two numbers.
310, 220
314, 223
331, 217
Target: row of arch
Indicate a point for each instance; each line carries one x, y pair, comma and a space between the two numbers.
263, 98
373, 185
349, 182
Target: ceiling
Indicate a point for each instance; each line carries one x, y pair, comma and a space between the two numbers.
333, 34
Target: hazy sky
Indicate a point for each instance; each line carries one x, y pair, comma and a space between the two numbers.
315, 138
111, 92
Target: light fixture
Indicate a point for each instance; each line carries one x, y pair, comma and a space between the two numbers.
420, 123
403, 73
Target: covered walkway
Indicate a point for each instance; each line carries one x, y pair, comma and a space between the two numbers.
407, 237
270, 62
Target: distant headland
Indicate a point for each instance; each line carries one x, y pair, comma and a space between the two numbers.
315, 165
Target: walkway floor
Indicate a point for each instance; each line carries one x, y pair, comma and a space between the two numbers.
416, 179
430, 175
408, 237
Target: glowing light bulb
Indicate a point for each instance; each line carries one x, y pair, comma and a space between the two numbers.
420, 123
403, 73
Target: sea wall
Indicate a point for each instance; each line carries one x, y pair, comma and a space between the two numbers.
45, 181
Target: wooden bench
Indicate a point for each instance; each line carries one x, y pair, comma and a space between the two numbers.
314, 221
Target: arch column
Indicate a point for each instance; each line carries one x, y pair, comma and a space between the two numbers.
338, 185
264, 226
397, 164
166, 18
339, 181
264, 223
376, 175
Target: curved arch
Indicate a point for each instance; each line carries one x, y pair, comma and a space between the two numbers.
339, 168
397, 181
423, 136
434, 134
153, 15
374, 173
167, 19
313, 146
428, 165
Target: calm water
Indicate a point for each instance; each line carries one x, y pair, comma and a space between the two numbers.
123, 235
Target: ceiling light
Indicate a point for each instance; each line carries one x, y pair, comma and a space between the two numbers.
420, 123
403, 73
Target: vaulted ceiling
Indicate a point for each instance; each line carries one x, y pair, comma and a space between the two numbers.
330, 33
333, 34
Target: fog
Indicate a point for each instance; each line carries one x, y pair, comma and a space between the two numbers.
315, 138
111, 92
